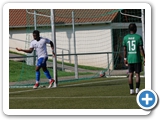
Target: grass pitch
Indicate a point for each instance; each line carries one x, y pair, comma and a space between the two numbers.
101, 93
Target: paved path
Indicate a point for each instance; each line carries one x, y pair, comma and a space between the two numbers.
16, 59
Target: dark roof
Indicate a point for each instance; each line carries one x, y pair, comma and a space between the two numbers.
20, 18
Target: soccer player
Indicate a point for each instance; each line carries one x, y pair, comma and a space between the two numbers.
133, 49
39, 44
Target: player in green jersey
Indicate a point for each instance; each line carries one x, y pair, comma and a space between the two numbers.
133, 49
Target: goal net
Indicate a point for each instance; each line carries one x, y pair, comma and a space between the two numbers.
97, 44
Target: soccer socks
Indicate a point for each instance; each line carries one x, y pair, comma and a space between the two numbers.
47, 74
37, 76
131, 86
137, 84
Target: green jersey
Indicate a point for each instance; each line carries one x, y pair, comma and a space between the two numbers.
132, 43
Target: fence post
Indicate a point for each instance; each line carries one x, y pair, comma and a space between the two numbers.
35, 28
108, 64
62, 61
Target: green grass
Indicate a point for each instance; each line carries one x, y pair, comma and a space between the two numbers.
101, 93
21, 71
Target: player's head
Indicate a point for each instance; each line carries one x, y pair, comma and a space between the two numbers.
36, 34
132, 28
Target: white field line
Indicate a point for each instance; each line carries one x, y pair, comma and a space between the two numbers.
69, 85
86, 97
25, 91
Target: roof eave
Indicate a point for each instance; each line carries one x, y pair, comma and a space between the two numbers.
66, 24
17, 26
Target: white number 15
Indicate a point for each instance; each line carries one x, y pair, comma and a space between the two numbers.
131, 45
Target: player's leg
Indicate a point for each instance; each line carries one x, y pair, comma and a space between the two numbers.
127, 73
38, 66
130, 78
46, 72
137, 82
138, 69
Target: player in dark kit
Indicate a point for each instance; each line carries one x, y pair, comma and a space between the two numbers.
133, 49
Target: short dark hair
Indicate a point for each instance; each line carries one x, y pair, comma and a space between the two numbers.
132, 27
36, 32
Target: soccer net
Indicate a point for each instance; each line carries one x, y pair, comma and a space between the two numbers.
97, 45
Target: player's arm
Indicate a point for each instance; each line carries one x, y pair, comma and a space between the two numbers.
142, 53
52, 47
27, 51
125, 51
125, 55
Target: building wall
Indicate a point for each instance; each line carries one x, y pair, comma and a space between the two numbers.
17, 38
89, 39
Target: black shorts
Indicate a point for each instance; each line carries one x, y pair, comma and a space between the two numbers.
137, 67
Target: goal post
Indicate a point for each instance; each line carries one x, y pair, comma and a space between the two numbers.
54, 41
